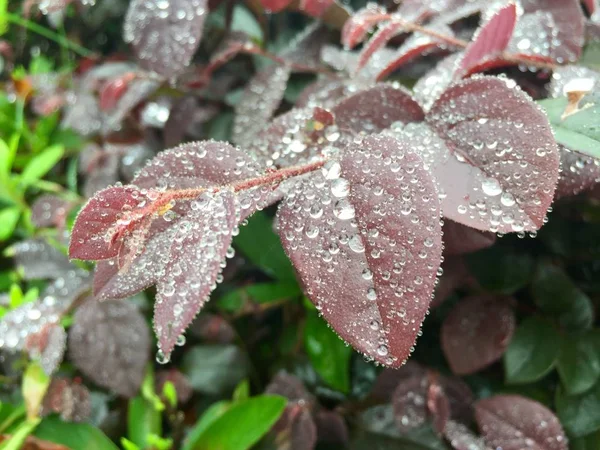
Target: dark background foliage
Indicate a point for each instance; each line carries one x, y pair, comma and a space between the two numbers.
508, 355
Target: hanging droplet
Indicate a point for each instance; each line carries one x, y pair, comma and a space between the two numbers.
161, 358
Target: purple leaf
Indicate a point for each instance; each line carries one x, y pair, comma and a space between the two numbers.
367, 252
476, 333
290, 387
410, 403
182, 115
38, 260
460, 239
375, 109
431, 85
194, 263
305, 48
326, 93
513, 422
494, 155
212, 328
416, 45
550, 28
109, 342
315, 8
49, 211
165, 33
461, 438
101, 167
48, 347
579, 173
455, 275
68, 398
489, 41
360, 23
137, 91
331, 428
259, 101
379, 40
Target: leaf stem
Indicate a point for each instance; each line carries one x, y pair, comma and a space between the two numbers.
49, 34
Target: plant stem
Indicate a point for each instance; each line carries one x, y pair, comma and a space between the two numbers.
49, 34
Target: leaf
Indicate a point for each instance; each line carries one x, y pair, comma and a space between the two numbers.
316, 8
579, 173
9, 217
275, 6
34, 386
109, 343
361, 23
214, 369
532, 352
431, 85
478, 137
550, 28
40, 164
577, 131
212, 413
259, 101
513, 422
290, 387
476, 333
489, 41
259, 293
462, 438
48, 347
49, 211
362, 280
243, 424
195, 260
69, 398
165, 34
259, 243
37, 259
328, 354
500, 269
142, 420
20, 440
379, 40
578, 364
589, 442
554, 293
460, 239
76, 436
410, 403
579, 414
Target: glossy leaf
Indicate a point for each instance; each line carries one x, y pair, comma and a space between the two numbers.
532, 352
165, 34
361, 265
379, 40
356, 28
329, 355
476, 333
513, 423
75, 436
579, 414
109, 342
578, 364
480, 136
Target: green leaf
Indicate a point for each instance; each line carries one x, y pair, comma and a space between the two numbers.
215, 369
215, 411
34, 387
128, 445
259, 243
260, 293
579, 362
579, 131
15, 296
329, 355
532, 352
591, 58
500, 269
3, 16
170, 393
9, 217
142, 420
242, 426
242, 391
76, 436
589, 442
220, 127
41, 164
579, 414
555, 294
15, 442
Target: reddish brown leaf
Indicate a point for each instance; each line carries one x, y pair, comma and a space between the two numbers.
49, 211
69, 398
37, 259
461, 438
48, 347
290, 387
495, 158
438, 406
490, 40
315, 8
165, 33
331, 428
113, 90
476, 333
578, 173
360, 23
213, 328
109, 342
455, 275
382, 284
460, 239
379, 40
410, 403
513, 422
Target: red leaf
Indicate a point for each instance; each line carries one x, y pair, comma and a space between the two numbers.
591, 6
550, 28
68, 398
375, 109
109, 343
379, 40
459, 239
275, 6
194, 262
48, 347
513, 422
259, 101
578, 173
373, 280
356, 28
315, 8
455, 275
113, 90
49, 211
234, 44
490, 39
416, 45
165, 33
438, 406
410, 403
476, 333
496, 162
431, 85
